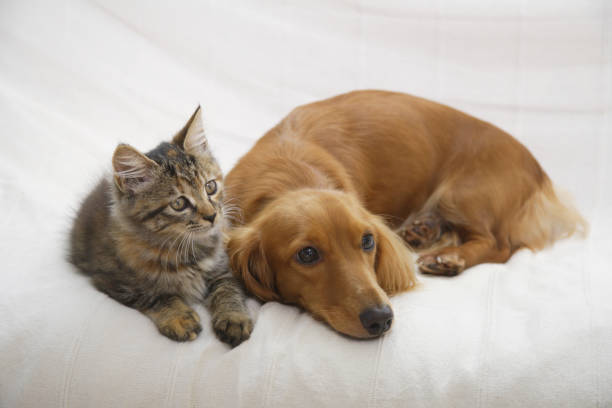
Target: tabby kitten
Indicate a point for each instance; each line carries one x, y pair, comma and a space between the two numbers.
151, 238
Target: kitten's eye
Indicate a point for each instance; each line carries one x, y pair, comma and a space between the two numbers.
308, 256
179, 204
211, 187
367, 242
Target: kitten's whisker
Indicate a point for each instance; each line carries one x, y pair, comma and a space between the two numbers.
169, 249
229, 201
178, 248
195, 258
178, 252
185, 248
181, 256
188, 246
233, 214
161, 247
165, 241
234, 219
232, 209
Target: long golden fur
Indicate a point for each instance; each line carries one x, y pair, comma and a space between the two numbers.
392, 166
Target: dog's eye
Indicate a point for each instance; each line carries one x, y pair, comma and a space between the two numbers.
367, 242
179, 204
308, 256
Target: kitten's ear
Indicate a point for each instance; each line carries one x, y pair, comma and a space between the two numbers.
133, 171
191, 137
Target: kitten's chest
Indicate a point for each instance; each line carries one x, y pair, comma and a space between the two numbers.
188, 282
191, 281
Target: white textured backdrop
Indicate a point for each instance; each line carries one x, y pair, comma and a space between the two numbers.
76, 78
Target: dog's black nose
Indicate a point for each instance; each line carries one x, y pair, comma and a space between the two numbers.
377, 320
210, 218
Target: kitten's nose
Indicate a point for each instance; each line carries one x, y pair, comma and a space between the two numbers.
210, 218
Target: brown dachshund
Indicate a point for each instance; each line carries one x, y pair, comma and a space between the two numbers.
328, 194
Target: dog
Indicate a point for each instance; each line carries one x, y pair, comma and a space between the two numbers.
331, 198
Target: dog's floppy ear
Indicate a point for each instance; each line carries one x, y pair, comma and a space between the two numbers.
394, 263
249, 263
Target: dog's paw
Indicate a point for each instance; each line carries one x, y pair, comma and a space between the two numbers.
449, 264
423, 232
232, 327
182, 326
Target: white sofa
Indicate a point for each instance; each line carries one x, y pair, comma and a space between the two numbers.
76, 78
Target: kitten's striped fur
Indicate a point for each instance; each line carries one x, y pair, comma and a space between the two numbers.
151, 237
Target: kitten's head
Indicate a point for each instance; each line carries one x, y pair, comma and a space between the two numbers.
175, 189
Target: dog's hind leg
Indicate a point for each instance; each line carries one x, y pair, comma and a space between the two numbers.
423, 230
478, 209
452, 260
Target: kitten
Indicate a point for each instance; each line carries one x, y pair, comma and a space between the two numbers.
151, 238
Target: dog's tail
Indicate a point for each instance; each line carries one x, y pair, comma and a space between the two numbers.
548, 215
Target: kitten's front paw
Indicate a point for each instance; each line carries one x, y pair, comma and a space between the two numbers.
183, 326
233, 327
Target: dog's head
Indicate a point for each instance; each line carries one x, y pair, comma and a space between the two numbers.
322, 250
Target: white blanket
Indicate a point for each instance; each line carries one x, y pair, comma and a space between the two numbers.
77, 78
